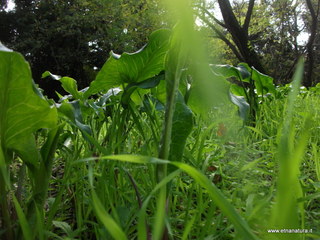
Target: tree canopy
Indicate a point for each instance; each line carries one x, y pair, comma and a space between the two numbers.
75, 37
265, 34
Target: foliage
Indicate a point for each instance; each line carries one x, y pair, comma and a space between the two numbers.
77, 33
116, 165
22, 113
247, 89
275, 33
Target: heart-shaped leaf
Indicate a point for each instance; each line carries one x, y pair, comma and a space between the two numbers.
263, 83
22, 111
68, 84
242, 104
241, 71
182, 125
133, 67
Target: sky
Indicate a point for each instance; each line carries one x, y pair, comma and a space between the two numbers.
10, 6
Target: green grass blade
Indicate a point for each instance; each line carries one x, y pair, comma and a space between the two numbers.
125, 158
159, 221
40, 224
26, 230
202, 180
107, 221
142, 213
316, 160
285, 211
188, 228
219, 199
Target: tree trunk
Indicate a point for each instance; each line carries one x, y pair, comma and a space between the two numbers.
240, 33
308, 81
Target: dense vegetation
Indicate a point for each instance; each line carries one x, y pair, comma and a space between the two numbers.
161, 145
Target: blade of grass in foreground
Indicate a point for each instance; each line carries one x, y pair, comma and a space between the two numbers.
218, 198
26, 230
142, 231
285, 213
108, 222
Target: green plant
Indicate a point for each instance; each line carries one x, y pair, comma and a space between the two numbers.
22, 113
154, 149
248, 88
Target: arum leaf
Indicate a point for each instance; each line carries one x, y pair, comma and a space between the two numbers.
263, 83
22, 111
104, 98
68, 84
146, 84
4, 48
181, 128
242, 105
73, 112
237, 90
207, 90
242, 71
133, 67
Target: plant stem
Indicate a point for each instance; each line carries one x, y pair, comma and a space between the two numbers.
4, 205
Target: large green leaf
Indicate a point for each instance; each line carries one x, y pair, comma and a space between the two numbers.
72, 111
182, 125
22, 111
68, 84
242, 104
263, 83
133, 67
241, 71
238, 90
146, 84
207, 90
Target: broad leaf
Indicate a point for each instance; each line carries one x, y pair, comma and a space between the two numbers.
207, 90
242, 104
68, 84
101, 102
133, 67
22, 111
237, 90
146, 84
241, 71
181, 128
263, 83
73, 112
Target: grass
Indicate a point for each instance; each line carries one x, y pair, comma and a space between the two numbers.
242, 164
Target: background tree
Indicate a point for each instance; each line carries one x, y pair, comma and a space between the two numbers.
270, 27
74, 38
311, 47
240, 45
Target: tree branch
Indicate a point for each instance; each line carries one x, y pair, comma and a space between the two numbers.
248, 16
228, 15
222, 36
211, 16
